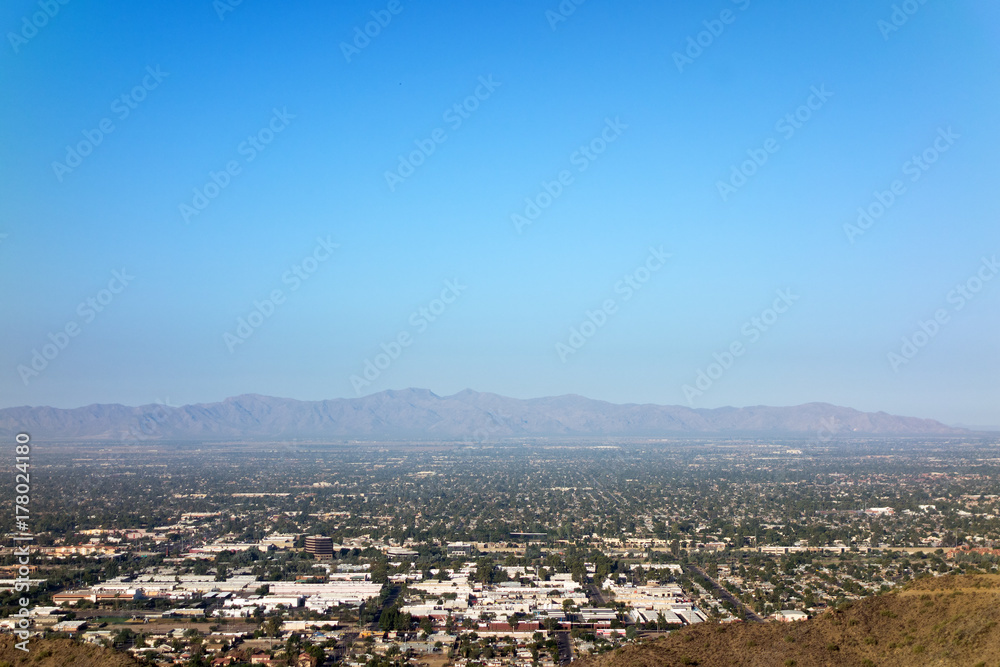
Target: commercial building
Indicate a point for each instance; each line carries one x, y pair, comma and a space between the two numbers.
319, 546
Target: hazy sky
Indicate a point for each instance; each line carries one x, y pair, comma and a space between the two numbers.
650, 176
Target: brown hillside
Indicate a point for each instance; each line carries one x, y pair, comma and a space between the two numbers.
60, 653
934, 621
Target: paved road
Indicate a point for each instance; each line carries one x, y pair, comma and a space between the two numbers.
595, 593
726, 595
565, 647
344, 645
390, 599
394, 591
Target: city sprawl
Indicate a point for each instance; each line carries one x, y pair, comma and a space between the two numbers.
509, 553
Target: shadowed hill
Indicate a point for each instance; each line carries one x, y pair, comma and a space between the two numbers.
949, 620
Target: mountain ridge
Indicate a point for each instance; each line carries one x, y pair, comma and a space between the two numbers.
467, 415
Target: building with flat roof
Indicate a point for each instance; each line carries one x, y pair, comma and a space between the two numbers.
459, 549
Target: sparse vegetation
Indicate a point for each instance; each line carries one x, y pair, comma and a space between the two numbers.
818, 641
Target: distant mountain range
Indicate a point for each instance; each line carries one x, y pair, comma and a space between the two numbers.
419, 414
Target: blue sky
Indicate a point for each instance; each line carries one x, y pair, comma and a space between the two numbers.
662, 132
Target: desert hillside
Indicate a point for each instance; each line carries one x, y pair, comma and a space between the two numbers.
934, 621
60, 653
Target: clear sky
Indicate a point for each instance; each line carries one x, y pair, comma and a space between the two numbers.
620, 123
